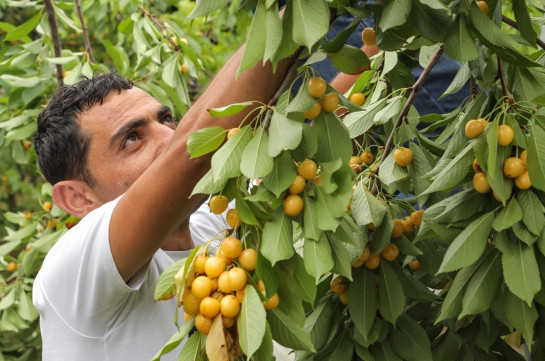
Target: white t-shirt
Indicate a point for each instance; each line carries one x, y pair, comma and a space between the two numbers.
87, 311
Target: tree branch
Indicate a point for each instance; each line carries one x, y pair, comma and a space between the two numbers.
85, 35
502, 80
286, 83
56, 39
514, 24
415, 89
161, 26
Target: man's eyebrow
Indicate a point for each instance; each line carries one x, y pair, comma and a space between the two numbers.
163, 110
126, 129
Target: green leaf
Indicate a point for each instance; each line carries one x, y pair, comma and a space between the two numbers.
206, 7
349, 59
410, 341
391, 110
208, 185
256, 42
340, 348
310, 22
265, 351
461, 78
520, 270
284, 133
527, 84
365, 207
389, 172
333, 139
311, 229
453, 173
459, 44
395, 13
304, 284
522, 316
412, 287
524, 22
384, 351
318, 323
251, 322
452, 305
273, 32
23, 29
362, 300
277, 241
205, 141
483, 286
175, 340
468, 246
492, 36
382, 235
301, 102
17, 81
26, 309
522, 233
282, 175
256, 161
165, 288
390, 294
288, 333
509, 215
535, 162
229, 110
361, 121
226, 161
192, 348
341, 258
432, 22
532, 211
309, 144
317, 257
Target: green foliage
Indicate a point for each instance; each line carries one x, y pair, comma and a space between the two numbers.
481, 255
144, 42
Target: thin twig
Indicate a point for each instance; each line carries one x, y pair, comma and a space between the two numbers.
502, 80
85, 35
514, 24
415, 89
51, 17
161, 26
474, 88
286, 83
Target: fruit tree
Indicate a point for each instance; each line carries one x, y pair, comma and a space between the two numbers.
360, 229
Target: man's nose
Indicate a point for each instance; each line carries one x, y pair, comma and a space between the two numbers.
163, 135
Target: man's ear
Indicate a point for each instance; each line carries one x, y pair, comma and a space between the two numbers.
75, 197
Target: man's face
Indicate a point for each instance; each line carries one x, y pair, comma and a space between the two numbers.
128, 131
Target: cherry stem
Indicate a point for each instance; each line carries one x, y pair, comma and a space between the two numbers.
514, 25
52, 18
414, 91
85, 35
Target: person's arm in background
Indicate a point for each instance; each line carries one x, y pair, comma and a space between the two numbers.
159, 200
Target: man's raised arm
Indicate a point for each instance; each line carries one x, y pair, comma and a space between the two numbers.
158, 201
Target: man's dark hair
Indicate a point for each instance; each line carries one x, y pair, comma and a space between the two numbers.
61, 147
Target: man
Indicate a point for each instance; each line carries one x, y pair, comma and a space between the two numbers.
116, 160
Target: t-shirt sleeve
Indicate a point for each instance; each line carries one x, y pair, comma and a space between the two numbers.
79, 278
204, 224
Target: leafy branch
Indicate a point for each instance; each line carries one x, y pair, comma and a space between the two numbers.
85, 35
501, 75
514, 25
51, 17
291, 75
161, 26
414, 91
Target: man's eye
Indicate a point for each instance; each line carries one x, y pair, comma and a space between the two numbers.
168, 119
130, 140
